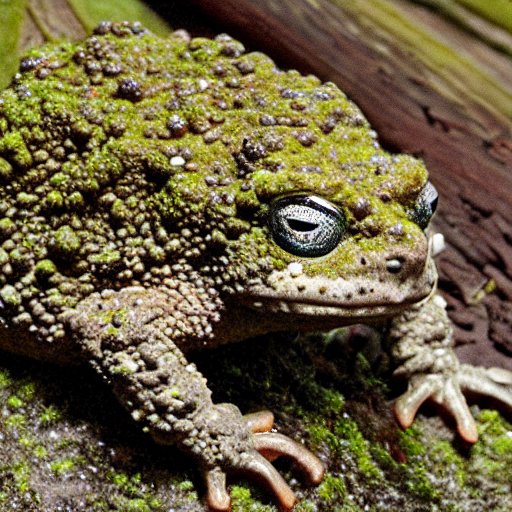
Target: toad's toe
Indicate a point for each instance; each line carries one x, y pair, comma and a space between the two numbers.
495, 383
216, 493
261, 421
407, 405
272, 445
261, 469
443, 390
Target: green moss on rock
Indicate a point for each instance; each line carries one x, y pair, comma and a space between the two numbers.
71, 423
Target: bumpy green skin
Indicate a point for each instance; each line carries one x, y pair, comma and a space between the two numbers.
128, 155
136, 179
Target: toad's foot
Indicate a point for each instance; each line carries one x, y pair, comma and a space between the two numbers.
447, 391
267, 446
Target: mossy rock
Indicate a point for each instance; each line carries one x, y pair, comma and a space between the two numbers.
68, 445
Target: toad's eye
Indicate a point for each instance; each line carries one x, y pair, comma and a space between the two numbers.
307, 226
425, 206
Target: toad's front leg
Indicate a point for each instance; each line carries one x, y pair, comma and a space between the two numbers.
422, 344
129, 337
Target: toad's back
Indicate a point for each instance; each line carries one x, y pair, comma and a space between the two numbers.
120, 155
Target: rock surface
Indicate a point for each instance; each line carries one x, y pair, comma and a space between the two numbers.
68, 446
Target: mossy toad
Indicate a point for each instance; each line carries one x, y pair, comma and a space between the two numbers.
164, 195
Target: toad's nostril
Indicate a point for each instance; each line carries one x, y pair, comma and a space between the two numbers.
394, 265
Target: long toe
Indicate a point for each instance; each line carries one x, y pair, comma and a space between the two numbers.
455, 404
261, 421
273, 445
407, 405
217, 495
495, 383
261, 469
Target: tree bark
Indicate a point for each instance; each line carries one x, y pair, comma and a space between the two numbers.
434, 79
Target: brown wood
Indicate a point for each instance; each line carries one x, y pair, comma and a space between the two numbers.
49, 20
434, 86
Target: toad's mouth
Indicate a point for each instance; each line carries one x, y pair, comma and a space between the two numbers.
326, 310
362, 297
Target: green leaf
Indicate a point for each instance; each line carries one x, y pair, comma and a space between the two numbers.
12, 19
